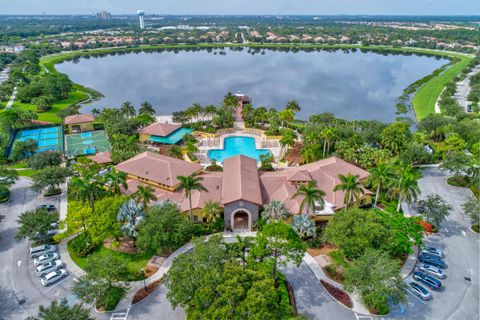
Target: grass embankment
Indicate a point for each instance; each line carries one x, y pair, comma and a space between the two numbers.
134, 262
423, 101
426, 97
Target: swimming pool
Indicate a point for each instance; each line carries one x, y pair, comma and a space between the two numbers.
233, 146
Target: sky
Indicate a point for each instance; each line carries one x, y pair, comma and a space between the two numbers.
276, 7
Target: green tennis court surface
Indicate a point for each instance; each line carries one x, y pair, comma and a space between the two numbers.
86, 143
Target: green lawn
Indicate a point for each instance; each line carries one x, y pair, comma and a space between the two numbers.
426, 97
51, 115
27, 173
134, 261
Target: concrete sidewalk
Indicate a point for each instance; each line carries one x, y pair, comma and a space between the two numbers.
358, 306
410, 263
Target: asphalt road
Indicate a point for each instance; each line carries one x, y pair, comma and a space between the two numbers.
21, 292
460, 297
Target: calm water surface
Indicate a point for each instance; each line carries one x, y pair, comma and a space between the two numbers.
352, 85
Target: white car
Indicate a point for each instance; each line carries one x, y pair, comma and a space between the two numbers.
48, 267
433, 252
432, 270
47, 257
53, 276
38, 251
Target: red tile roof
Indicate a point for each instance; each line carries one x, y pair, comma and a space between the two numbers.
240, 180
159, 129
79, 118
158, 168
101, 157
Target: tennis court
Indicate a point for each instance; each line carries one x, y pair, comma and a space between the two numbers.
48, 139
87, 143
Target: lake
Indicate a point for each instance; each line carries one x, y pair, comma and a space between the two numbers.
352, 85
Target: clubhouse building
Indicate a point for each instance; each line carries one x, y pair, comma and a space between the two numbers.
241, 189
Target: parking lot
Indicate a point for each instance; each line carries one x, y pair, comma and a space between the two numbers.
460, 295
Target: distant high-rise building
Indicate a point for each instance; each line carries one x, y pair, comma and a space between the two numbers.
141, 15
104, 15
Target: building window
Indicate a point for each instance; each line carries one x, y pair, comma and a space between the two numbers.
195, 218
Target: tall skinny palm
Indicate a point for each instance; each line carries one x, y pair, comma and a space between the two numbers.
86, 189
188, 184
407, 185
352, 187
116, 179
145, 194
327, 135
241, 247
128, 109
380, 177
146, 108
311, 194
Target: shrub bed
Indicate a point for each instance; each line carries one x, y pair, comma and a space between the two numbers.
332, 272
457, 181
338, 294
145, 292
114, 296
81, 245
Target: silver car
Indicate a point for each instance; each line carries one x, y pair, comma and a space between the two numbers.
419, 291
53, 277
433, 252
432, 270
47, 257
40, 250
48, 267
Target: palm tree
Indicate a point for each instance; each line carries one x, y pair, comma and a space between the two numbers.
145, 194
95, 112
212, 211
407, 185
114, 179
293, 105
131, 213
304, 226
188, 184
128, 109
312, 195
175, 151
352, 187
380, 176
274, 212
288, 138
86, 189
146, 108
327, 135
241, 247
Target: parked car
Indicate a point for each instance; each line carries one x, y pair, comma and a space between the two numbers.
39, 250
47, 257
432, 270
53, 277
48, 267
419, 291
48, 207
433, 252
427, 280
434, 261
50, 234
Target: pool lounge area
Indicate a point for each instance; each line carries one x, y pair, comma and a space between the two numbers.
237, 145
48, 139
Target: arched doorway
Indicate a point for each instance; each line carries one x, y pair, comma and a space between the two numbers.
241, 220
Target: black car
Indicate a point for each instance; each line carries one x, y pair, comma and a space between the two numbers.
434, 261
427, 280
48, 207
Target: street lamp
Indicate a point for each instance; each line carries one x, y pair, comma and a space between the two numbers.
144, 283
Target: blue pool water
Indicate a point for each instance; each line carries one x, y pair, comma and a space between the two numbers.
234, 146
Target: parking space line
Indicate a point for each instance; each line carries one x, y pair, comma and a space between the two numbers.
56, 284
413, 295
